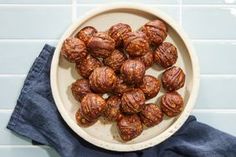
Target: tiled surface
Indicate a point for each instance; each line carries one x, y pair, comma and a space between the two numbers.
210, 22
217, 93
172, 11
21, 53
27, 152
27, 24
216, 57
34, 22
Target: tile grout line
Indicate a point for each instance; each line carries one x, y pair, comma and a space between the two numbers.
171, 5
213, 40
13, 75
6, 110
214, 111
35, 5
95, 4
149, 4
73, 11
24, 146
218, 75
180, 13
210, 5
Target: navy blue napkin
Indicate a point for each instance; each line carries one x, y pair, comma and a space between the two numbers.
36, 117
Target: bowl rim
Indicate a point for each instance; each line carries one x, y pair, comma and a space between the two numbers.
133, 146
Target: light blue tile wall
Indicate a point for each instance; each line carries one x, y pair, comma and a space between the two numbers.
18, 56
210, 22
27, 152
216, 57
217, 93
172, 11
34, 22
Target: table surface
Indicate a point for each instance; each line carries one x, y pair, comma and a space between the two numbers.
26, 25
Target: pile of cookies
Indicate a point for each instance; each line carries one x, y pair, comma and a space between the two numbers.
114, 63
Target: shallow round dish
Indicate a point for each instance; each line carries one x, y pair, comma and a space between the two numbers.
106, 136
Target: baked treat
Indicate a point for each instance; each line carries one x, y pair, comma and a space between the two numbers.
166, 55
147, 59
172, 104
173, 79
92, 106
117, 32
156, 31
151, 115
80, 88
121, 87
102, 80
129, 127
101, 45
114, 63
112, 112
82, 121
115, 60
136, 43
86, 33
73, 49
133, 101
150, 86
87, 65
132, 71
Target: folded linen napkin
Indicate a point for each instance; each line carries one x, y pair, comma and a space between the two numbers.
36, 117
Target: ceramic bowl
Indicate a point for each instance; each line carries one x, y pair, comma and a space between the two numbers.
106, 136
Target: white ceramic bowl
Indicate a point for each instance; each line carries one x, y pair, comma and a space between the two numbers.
105, 135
